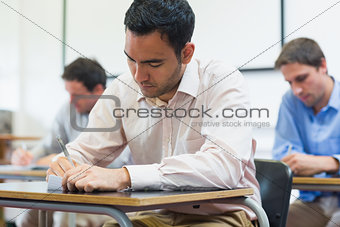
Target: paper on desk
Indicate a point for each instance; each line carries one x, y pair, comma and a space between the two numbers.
54, 183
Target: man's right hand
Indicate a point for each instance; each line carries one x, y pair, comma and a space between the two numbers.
21, 157
308, 165
59, 167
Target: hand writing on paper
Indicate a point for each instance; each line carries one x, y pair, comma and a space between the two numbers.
307, 165
89, 178
59, 167
21, 157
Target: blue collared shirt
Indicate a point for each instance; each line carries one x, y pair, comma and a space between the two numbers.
308, 133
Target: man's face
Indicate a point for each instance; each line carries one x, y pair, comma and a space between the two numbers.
75, 88
153, 64
307, 82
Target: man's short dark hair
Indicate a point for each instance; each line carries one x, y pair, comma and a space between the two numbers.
302, 50
173, 18
87, 71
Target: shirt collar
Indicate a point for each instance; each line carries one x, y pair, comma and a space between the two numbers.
140, 95
190, 81
334, 100
189, 84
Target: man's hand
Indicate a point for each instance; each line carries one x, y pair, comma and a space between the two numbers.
89, 178
21, 157
307, 165
59, 167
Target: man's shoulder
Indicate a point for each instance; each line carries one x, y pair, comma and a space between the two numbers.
64, 112
123, 89
215, 67
216, 72
122, 84
337, 82
64, 109
289, 96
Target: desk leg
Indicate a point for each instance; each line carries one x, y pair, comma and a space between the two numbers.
260, 213
71, 219
3, 147
43, 218
112, 211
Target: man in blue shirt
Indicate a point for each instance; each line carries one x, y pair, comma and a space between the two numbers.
308, 129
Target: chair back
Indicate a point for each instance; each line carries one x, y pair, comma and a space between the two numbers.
5, 122
275, 179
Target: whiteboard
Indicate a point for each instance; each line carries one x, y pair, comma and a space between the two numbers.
240, 32
237, 31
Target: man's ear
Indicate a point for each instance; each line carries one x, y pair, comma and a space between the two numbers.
98, 89
323, 66
187, 52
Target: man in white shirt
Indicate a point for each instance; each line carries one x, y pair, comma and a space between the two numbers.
171, 111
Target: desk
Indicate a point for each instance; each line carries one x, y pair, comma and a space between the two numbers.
34, 195
5, 138
316, 184
24, 175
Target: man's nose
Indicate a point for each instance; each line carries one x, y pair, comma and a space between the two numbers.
297, 90
140, 74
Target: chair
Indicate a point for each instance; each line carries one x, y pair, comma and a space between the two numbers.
5, 121
275, 179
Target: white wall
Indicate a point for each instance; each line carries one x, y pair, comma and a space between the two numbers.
9, 57
266, 90
30, 59
31, 63
234, 32
105, 42
317, 20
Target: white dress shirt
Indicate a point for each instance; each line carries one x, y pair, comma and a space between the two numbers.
63, 127
183, 152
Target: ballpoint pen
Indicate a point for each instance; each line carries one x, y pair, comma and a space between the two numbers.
24, 146
289, 149
63, 148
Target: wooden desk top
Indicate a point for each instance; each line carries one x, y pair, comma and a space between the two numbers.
26, 173
38, 191
313, 180
12, 137
316, 184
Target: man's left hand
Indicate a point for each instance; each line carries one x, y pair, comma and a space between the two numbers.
89, 178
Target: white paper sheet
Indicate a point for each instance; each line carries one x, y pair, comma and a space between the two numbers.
54, 183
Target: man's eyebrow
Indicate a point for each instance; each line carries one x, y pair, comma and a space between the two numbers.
128, 56
146, 61
298, 77
301, 76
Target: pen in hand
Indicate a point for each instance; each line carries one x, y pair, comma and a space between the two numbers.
289, 149
24, 146
63, 148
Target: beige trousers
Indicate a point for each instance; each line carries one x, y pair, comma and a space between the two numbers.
323, 212
167, 219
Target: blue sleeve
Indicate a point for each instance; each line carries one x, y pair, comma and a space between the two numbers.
286, 131
337, 157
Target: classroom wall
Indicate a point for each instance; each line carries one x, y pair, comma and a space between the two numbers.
31, 63
30, 58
